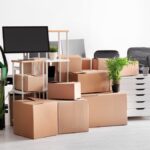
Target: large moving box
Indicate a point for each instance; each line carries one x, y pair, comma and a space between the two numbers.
73, 116
30, 83
17, 97
92, 81
64, 90
35, 119
107, 109
86, 64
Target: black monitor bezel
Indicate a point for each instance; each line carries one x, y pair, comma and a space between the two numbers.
24, 27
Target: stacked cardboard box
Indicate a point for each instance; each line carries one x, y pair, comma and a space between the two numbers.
35, 119
33, 71
107, 109
92, 81
129, 70
86, 64
64, 90
73, 112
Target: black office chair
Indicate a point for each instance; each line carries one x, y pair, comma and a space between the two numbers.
141, 54
106, 54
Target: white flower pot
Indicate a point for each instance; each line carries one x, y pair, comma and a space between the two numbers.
53, 55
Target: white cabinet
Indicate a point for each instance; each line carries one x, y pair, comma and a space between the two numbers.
138, 94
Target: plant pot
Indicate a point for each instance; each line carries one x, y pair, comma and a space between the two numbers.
53, 55
115, 88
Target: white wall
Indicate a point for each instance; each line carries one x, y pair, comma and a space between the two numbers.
104, 24
120, 24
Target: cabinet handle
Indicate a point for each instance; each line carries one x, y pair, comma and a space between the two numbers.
140, 108
140, 83
140, 89
140, 94
139, 78
140, 101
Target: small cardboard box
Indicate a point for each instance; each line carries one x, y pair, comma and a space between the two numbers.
30, 83
34, 68
86, 64
75, 64
64, 90
92, 81
73, 116
35, 119
107, 109
131, 69
99, 64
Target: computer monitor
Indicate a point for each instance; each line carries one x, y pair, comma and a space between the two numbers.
25, 39
43, 55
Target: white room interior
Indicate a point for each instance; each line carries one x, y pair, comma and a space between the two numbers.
103, 24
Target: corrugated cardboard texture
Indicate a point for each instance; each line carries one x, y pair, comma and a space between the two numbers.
92, 81
17, 97
31, 83
73, 116
33, 68
86, 63
99, 64
64, 90
107, 109
35, 119
130, 70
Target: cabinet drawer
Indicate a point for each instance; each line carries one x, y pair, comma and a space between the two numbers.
138, 112
145, 91
139, 104
138, 97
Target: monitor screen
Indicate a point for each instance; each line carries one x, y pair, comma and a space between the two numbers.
26, 39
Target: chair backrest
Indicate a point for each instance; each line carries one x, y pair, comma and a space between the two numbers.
139, 53
106, 54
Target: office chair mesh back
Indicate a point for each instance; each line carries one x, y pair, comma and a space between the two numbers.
106, 54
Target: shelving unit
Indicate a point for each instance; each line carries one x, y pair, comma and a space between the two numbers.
20, 69
59, 60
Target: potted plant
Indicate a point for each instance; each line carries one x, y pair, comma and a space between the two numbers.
53, 52
115, 66
3, 75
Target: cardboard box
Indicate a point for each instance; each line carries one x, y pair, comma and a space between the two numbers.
86, 64
30, 83
131, 69
99, 64
35, 119
75, 64
34, 68
64, 90
73, 116
92, 81
17, 97
107, 109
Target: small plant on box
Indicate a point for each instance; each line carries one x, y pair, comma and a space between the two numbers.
53, 52
115, 66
